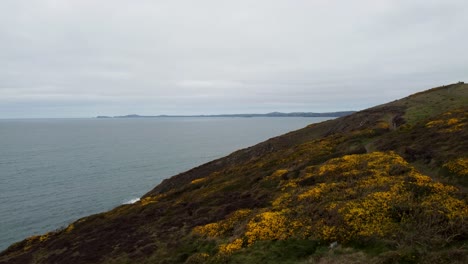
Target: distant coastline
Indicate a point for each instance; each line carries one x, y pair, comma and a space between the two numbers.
273, 114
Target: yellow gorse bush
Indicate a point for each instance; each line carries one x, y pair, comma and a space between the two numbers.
231, 247
220, 228
368, 217
452, 122
458, 166
36, 239
278, 173
151, 199
200, 180
353, 197
267, 226
318, 191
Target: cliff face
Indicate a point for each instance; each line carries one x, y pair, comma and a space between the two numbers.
388, 184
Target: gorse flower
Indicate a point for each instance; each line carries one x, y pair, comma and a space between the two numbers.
348, 198
458, 166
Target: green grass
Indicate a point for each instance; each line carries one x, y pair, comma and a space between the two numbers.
427, 104
285, 251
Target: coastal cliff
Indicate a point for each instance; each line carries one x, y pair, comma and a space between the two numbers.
384, 185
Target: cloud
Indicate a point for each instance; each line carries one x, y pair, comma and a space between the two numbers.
215, 56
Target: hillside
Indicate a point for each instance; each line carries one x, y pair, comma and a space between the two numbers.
383, 185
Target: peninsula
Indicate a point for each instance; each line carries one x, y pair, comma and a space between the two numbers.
272, 114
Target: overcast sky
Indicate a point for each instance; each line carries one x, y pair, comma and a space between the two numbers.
82, 58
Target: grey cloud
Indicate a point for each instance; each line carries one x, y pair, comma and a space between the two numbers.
84, 57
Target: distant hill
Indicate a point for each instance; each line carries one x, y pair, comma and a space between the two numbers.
384, 185
273, 114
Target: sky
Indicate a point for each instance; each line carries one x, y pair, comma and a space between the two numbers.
83, 58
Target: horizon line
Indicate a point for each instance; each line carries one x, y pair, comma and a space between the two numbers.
268, 114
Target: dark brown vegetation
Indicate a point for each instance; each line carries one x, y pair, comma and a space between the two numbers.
388, 184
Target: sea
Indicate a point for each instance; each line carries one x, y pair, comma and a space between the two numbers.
55, 171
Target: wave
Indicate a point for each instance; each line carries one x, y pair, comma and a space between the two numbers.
132, 201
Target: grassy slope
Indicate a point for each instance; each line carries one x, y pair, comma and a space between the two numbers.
359, 180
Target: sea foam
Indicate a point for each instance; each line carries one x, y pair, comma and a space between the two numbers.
132, 201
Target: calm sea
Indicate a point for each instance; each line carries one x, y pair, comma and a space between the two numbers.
54, 171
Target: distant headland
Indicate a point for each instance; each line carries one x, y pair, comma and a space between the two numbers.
272, 114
